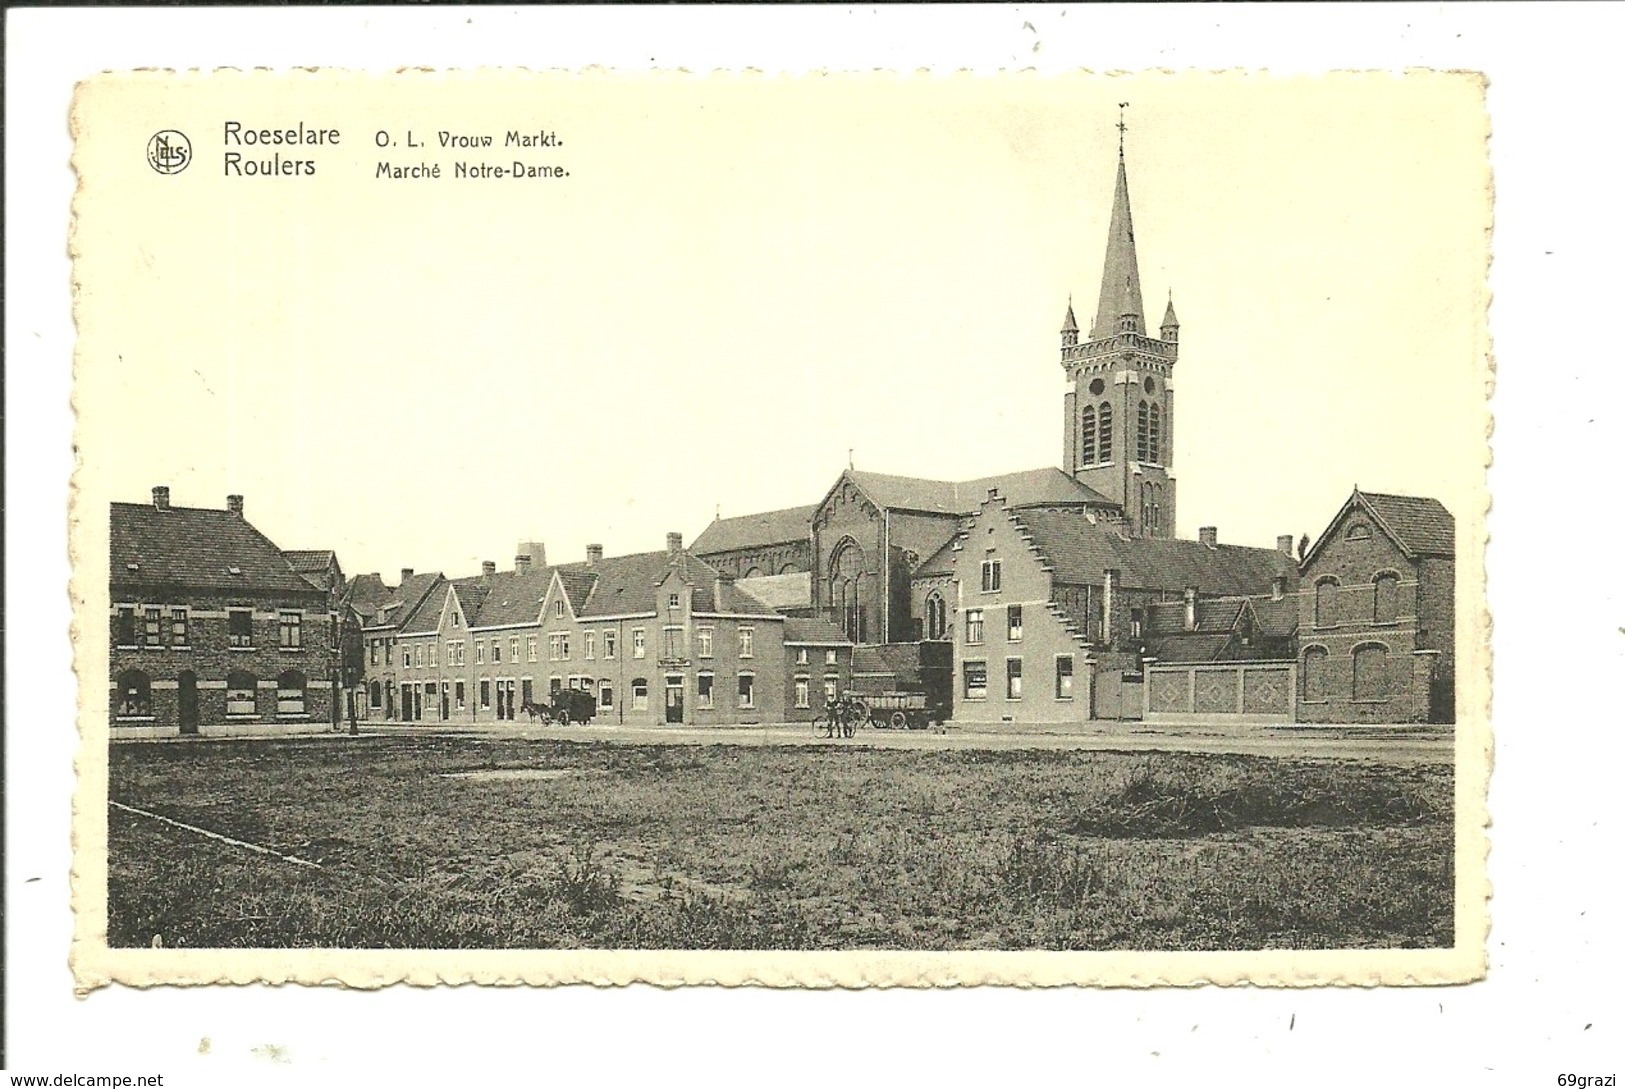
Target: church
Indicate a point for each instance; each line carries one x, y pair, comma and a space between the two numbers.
1026, 595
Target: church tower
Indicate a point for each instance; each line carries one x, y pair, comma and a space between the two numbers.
1119, 432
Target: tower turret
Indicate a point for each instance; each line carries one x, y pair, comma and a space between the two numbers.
1069, 328
1170, 322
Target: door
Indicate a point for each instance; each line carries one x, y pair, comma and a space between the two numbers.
674, 699
186, 688
445, 700
406, 703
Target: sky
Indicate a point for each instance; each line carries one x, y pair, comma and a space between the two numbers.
747, 283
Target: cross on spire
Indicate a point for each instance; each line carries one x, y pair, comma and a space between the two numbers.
1122, 127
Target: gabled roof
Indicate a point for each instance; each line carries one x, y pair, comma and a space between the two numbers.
1030, 487
1079, 550
1419, 526
755, 530
940, 562
806, 629
471, 592
196, 548
425, 619
366, 593
310, 560
510, 598
407, 599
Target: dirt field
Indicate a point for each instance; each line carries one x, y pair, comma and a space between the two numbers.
442, 842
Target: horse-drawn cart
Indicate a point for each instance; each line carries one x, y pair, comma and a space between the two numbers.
899, 711
569, 706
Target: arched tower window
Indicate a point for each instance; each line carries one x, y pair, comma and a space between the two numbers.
1142, 434
1086, 438
1155, 441
1104, 445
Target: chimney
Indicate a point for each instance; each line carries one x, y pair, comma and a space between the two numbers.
1278, 583
488, 568
595, 552
1283, 543
160, 497
406, 573
234, 503
1208, 535
1190, 608
674, 543
528, 556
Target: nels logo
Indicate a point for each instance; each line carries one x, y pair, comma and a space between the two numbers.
169, 152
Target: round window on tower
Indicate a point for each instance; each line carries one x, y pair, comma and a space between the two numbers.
1151, 385
1097, 387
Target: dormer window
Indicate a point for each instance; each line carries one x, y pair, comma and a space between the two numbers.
234, 570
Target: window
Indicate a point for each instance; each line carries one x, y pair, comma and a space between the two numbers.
673, 601
1086, 438
456, 621
239, 628
609, 643
589, 645
829, 689
1156, 434
133, 697
672, 643
1385, 598
179, 631
479, 652
703, 698
496, 651
1359, 531
372, 654
1105, 443
1063, 676
747, 690
747, 642
240, 694
152, 629
513, 648
1142, 436
1012, 678
460, 646
640, 694
992, 576
290, 693
406, 656
1316, 686
1136, 623
1325, 602
530, 648
461, 695
638, 649
973, 626
1014, 617
434, 654
829, 657
703, 639
606, 694
1371, 672
555, 651
389, 651
803, 692
375, 695
558, 609
936, 616
124, 627
288, 627
485, 693
976, 680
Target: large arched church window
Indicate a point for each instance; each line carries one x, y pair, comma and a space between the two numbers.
845, 585
936, 616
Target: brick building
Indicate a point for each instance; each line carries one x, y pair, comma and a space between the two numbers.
656, 637
212, 629
1376, 621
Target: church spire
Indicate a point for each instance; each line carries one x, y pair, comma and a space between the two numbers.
1120, 280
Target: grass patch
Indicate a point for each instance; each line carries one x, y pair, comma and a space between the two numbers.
468, 843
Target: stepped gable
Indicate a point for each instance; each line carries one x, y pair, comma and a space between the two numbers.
755, 530
196, 548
